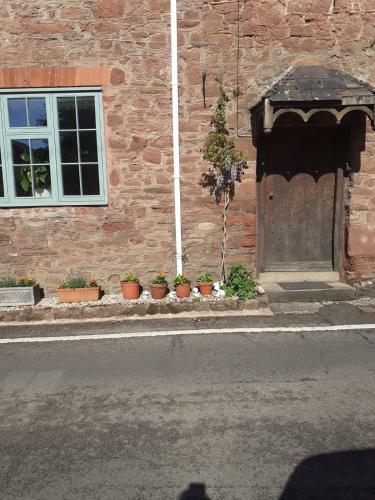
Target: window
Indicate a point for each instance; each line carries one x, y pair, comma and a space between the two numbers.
51, 149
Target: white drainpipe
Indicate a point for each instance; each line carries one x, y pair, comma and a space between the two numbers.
176, 141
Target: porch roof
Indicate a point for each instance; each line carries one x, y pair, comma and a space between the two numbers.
317, 83
307, 90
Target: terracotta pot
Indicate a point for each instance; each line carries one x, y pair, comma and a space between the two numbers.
183, 290
205, 288
130, 290
158, 291
78, 294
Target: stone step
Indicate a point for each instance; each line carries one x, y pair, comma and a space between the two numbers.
311, 292
294, 276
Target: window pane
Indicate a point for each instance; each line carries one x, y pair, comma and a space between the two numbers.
71, 180
90, 179
17, 112
37, 112
88, 148
23, 180
39, 151
42, 181
20, 149
68, 147
86, 112
1, 183
67, 112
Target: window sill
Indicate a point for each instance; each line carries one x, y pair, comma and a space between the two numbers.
58, 204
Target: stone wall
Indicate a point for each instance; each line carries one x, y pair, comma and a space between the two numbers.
273, 36
135, 231
130, 40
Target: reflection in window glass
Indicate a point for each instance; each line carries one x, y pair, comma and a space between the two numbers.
32, 174
17, 112
37, 112
31, 112
86, 112
66, 108
90, 179
71, 182
42, 181
39, 151
21, 151
78, 146
88, 147
68, 147
23, 180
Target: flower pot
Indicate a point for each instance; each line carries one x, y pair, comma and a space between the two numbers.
20, 296
158, 291
67, 295
205, 288
130, 289
183, 290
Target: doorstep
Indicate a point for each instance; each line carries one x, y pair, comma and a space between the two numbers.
119, 312
309, 291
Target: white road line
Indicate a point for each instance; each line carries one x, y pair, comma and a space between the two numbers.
130, 335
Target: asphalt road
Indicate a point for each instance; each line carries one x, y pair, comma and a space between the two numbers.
242, 416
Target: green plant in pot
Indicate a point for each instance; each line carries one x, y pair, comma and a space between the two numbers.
40, 173
20, 291
159, 286
76, 288
205, 284
130, 286
182, 286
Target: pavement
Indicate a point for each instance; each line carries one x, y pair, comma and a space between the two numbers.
259, 415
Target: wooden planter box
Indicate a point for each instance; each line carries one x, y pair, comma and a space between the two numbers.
66, 295
20, 296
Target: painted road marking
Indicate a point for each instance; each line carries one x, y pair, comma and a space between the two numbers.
206, 331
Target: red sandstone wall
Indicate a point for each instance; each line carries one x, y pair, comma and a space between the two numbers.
125, 46
273, 36
129, 42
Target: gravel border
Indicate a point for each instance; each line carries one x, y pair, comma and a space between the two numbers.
112, 299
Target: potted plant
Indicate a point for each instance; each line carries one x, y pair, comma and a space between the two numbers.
205, 284
182, 286
77, 289
159, 286
130, 287
40, 173
22, 291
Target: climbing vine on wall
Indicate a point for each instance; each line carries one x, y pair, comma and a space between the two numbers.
227, 165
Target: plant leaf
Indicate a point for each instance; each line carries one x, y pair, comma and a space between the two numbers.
25, 184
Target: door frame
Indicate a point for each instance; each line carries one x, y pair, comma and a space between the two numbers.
338, 217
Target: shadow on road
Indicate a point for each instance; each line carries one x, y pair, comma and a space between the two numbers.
348, 475
195, 491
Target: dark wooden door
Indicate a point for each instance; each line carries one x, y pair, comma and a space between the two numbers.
301, 166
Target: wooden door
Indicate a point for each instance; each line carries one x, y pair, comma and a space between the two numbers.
301, 166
